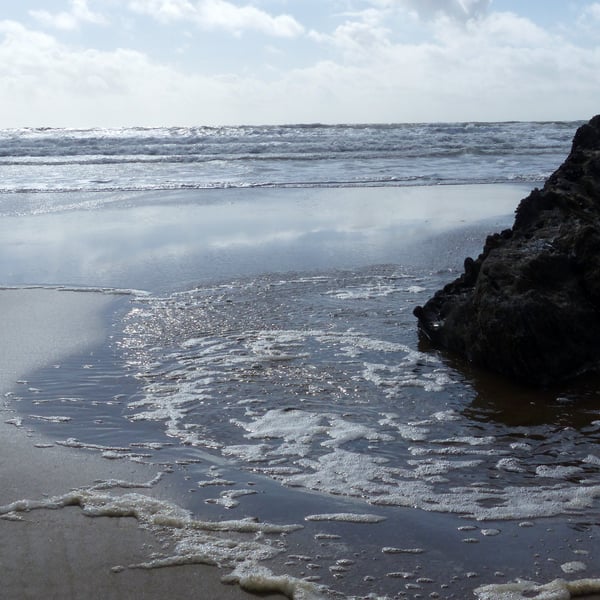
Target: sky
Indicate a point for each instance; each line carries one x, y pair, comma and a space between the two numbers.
113, 63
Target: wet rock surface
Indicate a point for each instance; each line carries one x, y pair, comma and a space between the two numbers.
529, 306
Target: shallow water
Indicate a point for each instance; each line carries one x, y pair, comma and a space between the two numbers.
291, 394
163, 242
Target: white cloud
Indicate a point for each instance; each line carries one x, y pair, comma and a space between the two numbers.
497, 67
35, 67
79, 13
357, 39
592, 12
461, 10
47, 83
219, 14
164, 11
589, 21
497, 31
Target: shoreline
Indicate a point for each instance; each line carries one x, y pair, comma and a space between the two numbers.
63, 553
46, 324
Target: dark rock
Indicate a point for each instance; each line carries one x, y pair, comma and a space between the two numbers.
529, 305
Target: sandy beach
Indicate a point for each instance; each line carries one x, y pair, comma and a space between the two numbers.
63, 553
217, 273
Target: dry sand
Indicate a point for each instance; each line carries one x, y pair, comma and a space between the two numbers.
63, 554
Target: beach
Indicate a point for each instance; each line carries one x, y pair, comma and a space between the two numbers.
249, 359
63, 553
299, 300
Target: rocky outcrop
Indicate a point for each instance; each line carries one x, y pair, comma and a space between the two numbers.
529, 305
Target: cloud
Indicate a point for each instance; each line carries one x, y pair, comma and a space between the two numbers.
589, 18
428, 10
415, 13
164, 11
497, 67
357, 39
592, 11
79, 13
219, 14
496, 32
47, 83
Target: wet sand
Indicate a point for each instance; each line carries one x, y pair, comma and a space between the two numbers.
63, 553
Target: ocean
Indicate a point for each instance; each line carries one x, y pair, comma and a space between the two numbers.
262, 351
309, 156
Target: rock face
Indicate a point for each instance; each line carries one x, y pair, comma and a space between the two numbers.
529, 305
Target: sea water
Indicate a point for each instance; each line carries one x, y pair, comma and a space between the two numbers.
38, 160
263, 351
